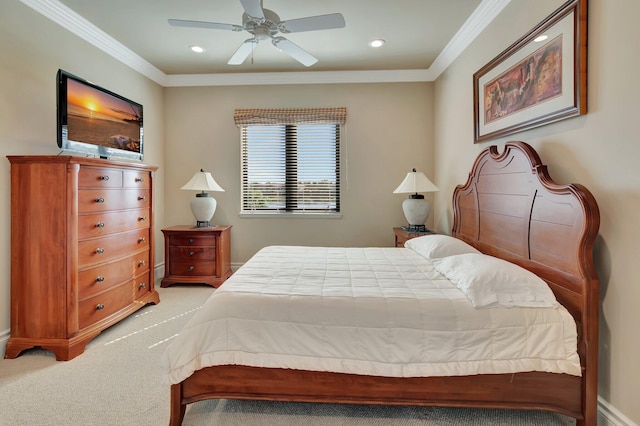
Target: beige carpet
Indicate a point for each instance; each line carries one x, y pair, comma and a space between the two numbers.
117, 381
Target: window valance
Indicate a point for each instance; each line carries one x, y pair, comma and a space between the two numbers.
283, 116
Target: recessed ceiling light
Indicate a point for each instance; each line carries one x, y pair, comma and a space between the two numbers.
540, 38
196, 49
376, 42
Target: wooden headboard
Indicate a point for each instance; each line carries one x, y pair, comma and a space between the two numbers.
512, 209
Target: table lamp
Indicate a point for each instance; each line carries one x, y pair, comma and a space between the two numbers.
203, 206
416, 208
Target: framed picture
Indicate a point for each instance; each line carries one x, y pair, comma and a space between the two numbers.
540, 79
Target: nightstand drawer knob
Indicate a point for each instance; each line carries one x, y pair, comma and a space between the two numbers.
191, 253
191, 268
99, 307
100, 279
190, 240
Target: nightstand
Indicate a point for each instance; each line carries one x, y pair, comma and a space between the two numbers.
403, 236
197, 255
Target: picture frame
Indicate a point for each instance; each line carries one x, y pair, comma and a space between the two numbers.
533, 83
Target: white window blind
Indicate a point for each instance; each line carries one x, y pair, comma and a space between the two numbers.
291, 167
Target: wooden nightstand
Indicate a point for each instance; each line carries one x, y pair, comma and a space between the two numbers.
402, 236
197, 255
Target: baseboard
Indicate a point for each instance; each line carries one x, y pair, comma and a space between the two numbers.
4, 336
608, 415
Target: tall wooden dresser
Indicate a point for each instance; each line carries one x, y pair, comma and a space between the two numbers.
81, 249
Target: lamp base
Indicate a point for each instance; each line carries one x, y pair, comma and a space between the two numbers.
203, 206
416, 210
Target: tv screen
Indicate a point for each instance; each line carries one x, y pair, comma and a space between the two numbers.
95, 121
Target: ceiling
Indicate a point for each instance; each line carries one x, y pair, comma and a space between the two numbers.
420, 35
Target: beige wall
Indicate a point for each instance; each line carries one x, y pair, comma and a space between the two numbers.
389, 130
32, 49
599, 150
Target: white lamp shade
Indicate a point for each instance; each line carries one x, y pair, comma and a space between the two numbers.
415, 182
202, 181
203, 206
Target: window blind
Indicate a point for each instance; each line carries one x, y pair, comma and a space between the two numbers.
291, 167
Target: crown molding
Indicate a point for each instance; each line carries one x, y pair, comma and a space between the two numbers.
70, 20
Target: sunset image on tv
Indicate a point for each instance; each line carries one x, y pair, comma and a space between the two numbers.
101, 119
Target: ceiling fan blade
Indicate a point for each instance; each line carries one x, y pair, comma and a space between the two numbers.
243, 52
313, 23
295, 51
202, 24
253, 8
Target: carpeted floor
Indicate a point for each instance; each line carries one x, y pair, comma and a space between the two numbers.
117, 381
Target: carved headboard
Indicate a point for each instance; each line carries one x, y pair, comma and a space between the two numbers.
512, 209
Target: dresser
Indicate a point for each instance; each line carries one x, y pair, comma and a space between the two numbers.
81, 249
197, 255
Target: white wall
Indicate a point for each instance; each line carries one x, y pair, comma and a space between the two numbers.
599, 150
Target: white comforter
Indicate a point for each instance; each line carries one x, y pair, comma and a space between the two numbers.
370, 311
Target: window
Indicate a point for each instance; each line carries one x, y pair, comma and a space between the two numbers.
291, 165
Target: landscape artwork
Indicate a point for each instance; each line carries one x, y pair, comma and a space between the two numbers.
535, 79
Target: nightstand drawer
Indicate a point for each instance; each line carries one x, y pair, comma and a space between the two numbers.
189, 240
192, 253
187, 268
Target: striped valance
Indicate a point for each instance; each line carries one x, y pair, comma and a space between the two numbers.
275, 116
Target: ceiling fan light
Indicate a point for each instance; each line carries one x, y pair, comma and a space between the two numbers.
378, 42
196, 49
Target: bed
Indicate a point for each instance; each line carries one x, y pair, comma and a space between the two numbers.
356, 325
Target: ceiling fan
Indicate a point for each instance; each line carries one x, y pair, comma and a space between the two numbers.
265, 24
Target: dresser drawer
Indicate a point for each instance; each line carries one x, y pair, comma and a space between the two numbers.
135, 179
192, 253
99, 177
100, 278
99, 224
141, 285
98, 307
186, 268
93, 200
105, 249
187, 240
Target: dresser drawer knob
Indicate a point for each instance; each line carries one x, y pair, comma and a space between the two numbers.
100, 200
99, 250
142, 239
142, 198
191, 253
142, 263
100, 279
142, 285
142, 218
100, 225
139, 179
99, 307
104, 178
191, 268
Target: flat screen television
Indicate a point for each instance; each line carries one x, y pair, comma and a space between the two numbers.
95, 121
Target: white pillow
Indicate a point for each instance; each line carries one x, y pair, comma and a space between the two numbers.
435, 246
488, 281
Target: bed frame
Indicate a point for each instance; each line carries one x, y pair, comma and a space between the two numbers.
509, 208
